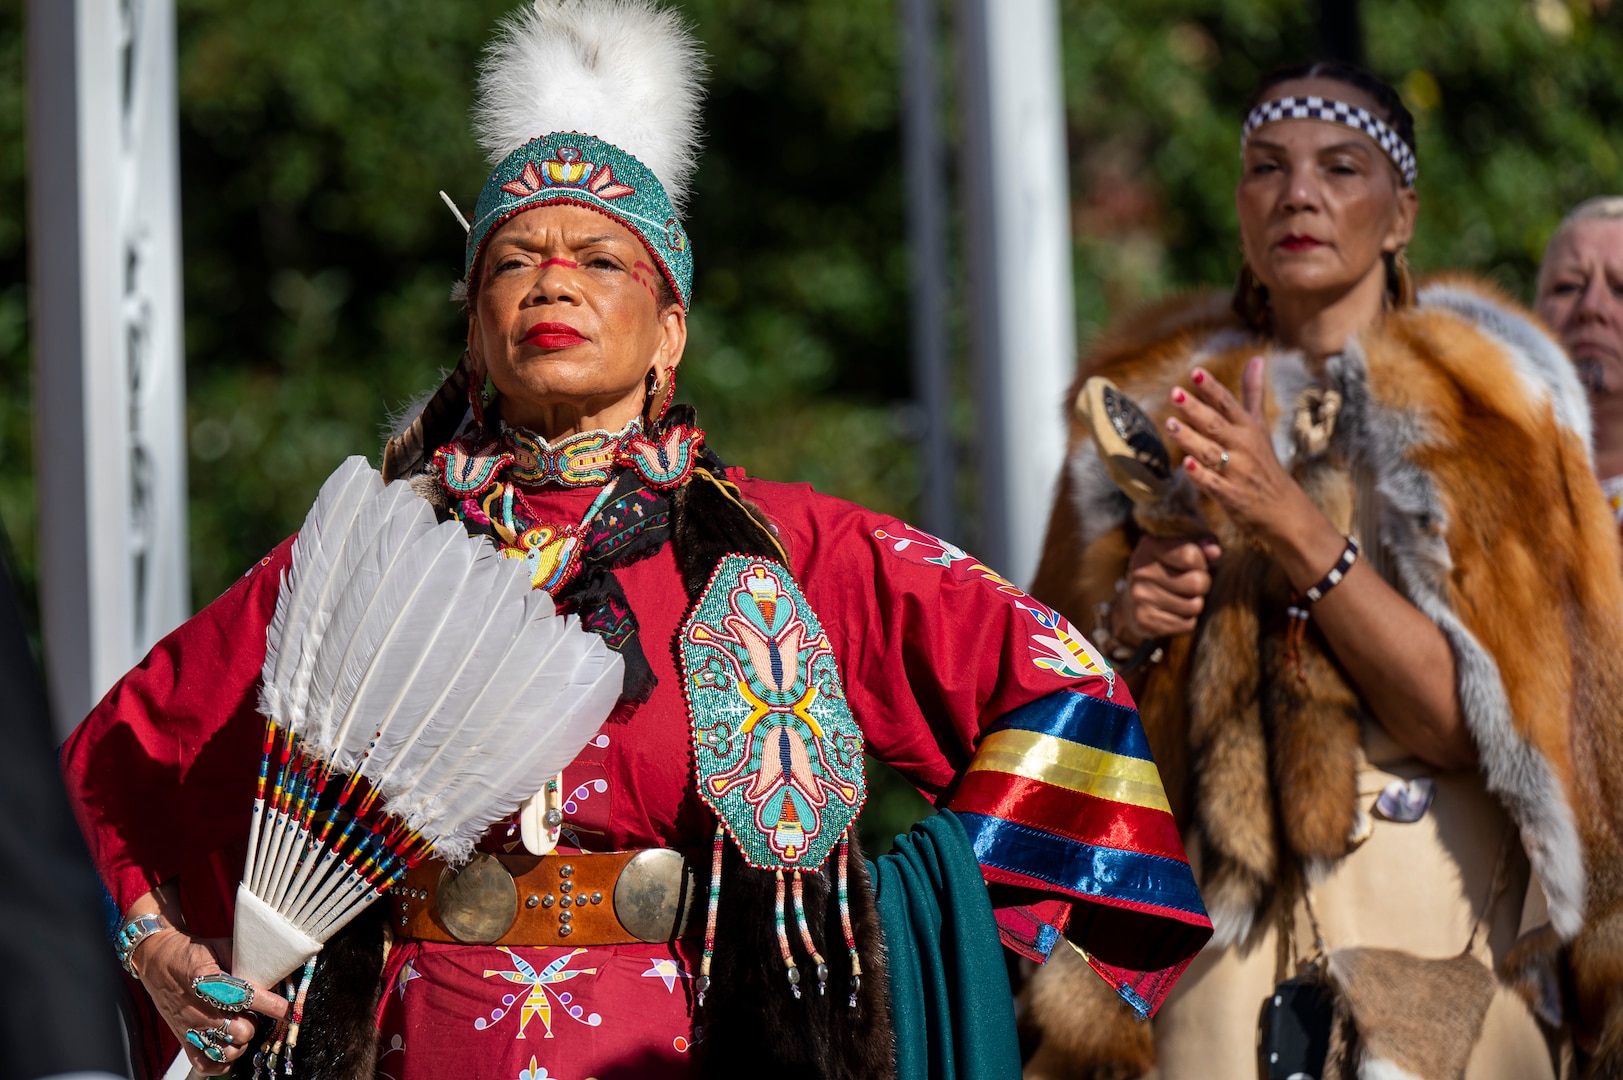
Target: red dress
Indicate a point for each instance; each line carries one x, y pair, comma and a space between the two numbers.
940, 658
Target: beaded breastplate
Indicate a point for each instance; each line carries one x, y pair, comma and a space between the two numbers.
777, 753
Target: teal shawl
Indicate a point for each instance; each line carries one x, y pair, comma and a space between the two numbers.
949, 989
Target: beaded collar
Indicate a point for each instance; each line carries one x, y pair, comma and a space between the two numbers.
585, 459
471, 464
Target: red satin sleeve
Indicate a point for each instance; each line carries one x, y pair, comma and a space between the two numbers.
161, 773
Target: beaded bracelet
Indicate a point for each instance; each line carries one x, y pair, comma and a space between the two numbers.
1348, 556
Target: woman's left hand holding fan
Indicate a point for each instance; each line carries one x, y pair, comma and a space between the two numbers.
168, 962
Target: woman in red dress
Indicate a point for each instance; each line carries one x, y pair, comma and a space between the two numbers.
867, 635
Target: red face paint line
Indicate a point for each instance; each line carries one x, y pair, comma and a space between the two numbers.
568, 264
643, 281
554, 335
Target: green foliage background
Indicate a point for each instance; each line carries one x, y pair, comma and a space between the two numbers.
315, 135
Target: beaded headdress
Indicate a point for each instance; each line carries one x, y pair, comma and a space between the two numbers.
594, 103
1332, 111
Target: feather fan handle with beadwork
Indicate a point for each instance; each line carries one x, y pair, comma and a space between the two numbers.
416, 690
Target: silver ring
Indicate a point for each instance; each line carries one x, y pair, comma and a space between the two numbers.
1223, 461
220, 1034
204, 1042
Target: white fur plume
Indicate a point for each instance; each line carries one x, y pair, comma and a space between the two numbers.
625, 71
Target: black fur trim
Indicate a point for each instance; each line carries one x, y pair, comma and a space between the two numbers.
753, 1025
338, 1039
709, 526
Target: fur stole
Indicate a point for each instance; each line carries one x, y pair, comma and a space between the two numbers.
1459, 432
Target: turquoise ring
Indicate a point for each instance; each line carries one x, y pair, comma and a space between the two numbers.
200, 1041
225, 992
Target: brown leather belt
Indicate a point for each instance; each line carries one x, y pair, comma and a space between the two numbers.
594, 898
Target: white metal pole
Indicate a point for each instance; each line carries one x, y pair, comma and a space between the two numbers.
109, 380
1020, 299
927, 249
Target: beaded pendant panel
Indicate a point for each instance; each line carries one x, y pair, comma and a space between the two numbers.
778, 755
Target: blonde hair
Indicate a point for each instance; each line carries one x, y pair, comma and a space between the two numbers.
1600, 208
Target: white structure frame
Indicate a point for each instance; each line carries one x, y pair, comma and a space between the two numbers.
109, 379
1019, 300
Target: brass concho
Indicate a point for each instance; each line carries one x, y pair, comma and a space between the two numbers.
478, 903
654, 895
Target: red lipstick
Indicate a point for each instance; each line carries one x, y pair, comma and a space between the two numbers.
1298, 242
553, 335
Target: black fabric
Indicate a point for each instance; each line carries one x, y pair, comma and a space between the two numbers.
595, 593
59, 999
614, 540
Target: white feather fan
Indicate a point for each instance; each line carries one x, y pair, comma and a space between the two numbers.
626, 71
417, 691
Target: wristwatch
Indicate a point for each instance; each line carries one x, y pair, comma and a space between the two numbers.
134, 931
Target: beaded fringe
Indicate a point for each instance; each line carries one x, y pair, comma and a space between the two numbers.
845, 918
703, 983
793, 886
806, 937
780, 916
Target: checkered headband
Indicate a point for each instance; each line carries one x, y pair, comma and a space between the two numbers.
1336, 112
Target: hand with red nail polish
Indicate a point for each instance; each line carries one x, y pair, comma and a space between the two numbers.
1229, 453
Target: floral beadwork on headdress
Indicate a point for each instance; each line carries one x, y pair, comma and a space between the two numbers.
567, 170
1332, 111
569, 167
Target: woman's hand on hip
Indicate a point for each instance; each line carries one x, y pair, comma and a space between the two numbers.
168, 961
1165, 592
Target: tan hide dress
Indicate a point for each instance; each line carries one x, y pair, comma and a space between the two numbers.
1419, 887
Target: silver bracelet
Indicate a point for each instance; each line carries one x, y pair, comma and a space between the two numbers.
1102, 637
134, 931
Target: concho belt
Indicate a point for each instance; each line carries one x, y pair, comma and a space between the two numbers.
594, 898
